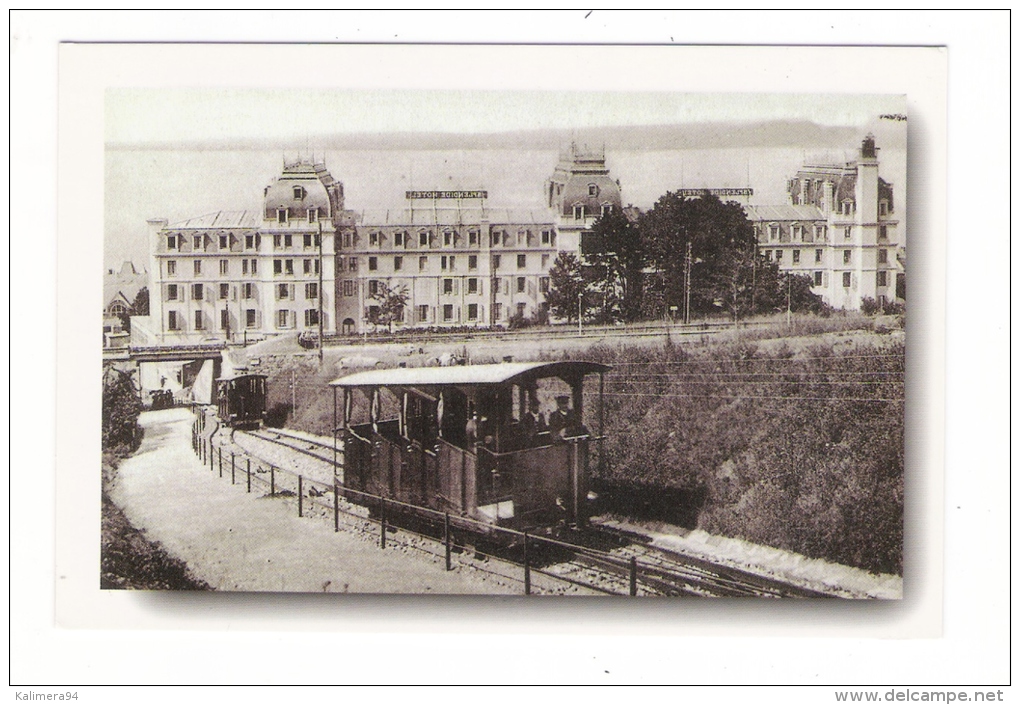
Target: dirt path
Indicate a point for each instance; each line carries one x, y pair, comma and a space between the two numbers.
238, 541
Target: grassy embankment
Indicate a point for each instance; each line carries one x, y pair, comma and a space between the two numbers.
790, 437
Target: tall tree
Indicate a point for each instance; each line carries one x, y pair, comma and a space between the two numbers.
722, 247
614, 254
565, 286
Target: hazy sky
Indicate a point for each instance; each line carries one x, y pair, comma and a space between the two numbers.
173, 114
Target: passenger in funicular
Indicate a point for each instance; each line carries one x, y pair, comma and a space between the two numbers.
534, 430
564, 423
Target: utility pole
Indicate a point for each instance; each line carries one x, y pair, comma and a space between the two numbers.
788, 298
320, 293
293, 392
687, 284
580, 309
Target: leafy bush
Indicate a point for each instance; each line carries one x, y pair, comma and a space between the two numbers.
869, 306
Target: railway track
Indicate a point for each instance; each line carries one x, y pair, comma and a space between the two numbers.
623, 564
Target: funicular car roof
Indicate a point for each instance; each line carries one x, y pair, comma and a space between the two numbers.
467, 375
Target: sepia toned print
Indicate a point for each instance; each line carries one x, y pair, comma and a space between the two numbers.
655, 360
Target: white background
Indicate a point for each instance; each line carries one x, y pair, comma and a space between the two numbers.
550, 643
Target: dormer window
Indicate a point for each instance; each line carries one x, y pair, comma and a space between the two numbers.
171, 242
281, 215
313, 215
883, 208
593, 190
299, 193
607, 208
197, 242
373, 239
773, 233
579, 212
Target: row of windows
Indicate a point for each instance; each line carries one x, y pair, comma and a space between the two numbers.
284, 241
451, 287
581, 211
473, 312
204, 241
247, 266
284, 319
446, 263
883, 256
175, 292
286, 266
284, 215
453, 238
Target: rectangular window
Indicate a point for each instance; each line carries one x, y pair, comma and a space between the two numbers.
224, 319
520, 310
768, 255
347, 240
348, 287
453, 262
249, 290
543, 284
312, 291
373, 239
172, 322
249, 318
373, 264
171, 242
281, 318
398, 263
224, 291
472, 312
224, 267
522, 261
423, 263
447, 238
495, 261
847, 254
472, 261
281, 215
398, 239
282, 292
545, 262
277, 241
883, 256
447, 312
883, 232
473, 238
198, 267
606, 209
171, 268
773, 233
307, 240
311, 317
447, 286
171, 292
198, 320
353, 264
423, 239
223, 242
197, 243
277, 266
848, 232
313, 216
796, 256
779, 255
579, 212
307, 264
288, 241
472, 285
423, 313
818, 278
373, 287
846, 280
521, 285
196, 292
881, 278
497, 311
244, 266
249, 242
288, 266
443, 262
818, 255
254, 266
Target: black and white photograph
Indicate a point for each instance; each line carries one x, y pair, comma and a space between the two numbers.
501, 342
425, 335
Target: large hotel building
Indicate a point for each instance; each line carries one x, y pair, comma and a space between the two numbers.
462, 262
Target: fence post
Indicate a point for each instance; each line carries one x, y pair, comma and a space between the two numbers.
336, 507
527, 566
382, 522
300, 495
446, 538
633, 576
272, 481
248, 469
231, 467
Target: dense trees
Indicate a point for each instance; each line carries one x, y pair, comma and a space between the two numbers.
387, 305
642, 267
565, 285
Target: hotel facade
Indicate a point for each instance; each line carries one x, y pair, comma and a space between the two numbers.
306, 261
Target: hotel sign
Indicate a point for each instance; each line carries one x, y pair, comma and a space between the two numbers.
716, 192
433, 195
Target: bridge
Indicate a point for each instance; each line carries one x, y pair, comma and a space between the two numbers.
176, 353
